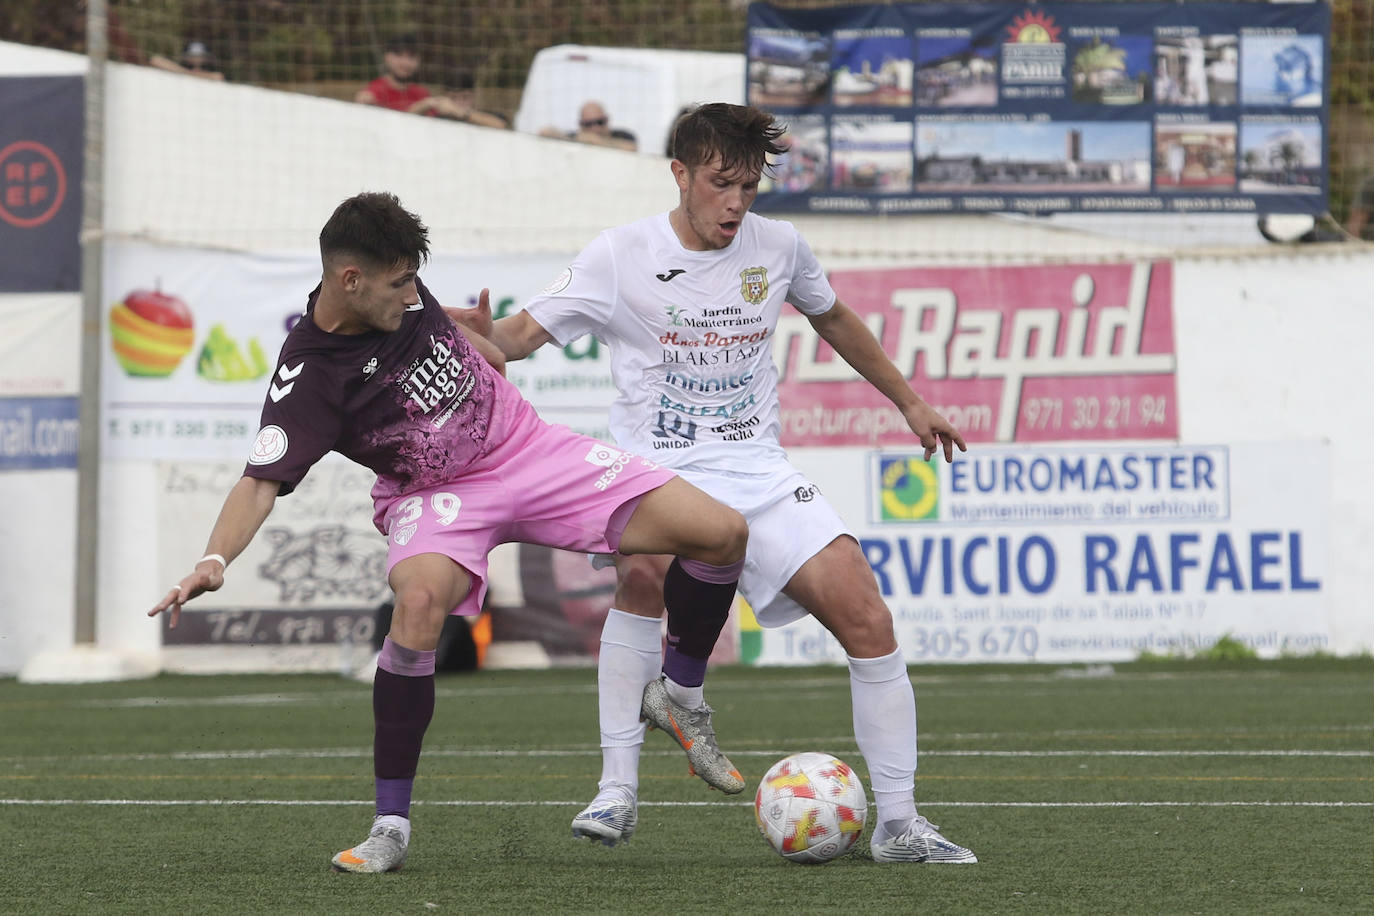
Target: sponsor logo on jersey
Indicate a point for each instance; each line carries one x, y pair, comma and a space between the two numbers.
707, 385
698, 410
754, 284
806, 494
614, 461
729, 316
439, 383
603, 456
269, 446
666, 277
737, 431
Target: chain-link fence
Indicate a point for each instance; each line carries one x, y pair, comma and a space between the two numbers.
334, 47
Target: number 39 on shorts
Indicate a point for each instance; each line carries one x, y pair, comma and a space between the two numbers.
403, 519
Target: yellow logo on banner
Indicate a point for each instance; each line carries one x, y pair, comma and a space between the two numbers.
910, 489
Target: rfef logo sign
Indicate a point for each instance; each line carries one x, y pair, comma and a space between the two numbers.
33, 184
41, 137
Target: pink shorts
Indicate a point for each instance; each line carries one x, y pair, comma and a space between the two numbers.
543, 485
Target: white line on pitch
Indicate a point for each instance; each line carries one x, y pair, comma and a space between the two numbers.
336, 803
590, 751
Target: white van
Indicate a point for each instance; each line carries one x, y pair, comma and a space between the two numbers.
641, 89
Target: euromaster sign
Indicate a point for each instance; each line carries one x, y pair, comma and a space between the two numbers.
1099, 552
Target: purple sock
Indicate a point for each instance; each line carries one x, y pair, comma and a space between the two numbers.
402, 706
685, 670
698, 598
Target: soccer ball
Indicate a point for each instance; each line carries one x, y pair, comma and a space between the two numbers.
811, 808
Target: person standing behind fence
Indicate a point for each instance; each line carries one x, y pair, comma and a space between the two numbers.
397, 88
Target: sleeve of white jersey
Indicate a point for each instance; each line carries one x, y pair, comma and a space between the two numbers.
583, 297
810, 290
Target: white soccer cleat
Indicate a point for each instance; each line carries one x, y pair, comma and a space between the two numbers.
384, 850
919, 842
610, 818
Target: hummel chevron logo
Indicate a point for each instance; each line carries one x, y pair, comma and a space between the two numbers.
286, 375
670, 274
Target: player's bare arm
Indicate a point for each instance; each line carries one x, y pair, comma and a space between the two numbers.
517, 336
244, 510
844, 330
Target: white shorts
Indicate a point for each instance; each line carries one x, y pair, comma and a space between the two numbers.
789, 523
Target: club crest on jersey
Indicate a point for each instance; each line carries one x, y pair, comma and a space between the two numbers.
754, 284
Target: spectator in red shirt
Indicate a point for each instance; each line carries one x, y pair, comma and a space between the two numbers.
396, 87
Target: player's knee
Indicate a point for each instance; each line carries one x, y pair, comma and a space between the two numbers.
867, 633
420, 608
734, 537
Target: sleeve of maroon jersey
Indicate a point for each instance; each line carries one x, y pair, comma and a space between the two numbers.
301, 419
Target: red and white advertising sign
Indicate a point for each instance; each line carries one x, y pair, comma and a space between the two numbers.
1043, 353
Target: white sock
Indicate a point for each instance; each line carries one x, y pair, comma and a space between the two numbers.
686, 697
395, 820
885, 729
631, 657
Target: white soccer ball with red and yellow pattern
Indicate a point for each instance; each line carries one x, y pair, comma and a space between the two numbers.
811, 807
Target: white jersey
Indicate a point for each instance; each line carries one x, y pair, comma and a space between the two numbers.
690, 335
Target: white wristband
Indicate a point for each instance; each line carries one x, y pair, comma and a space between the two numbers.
216, 557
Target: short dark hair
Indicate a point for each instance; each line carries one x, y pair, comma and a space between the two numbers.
743, 137
375, 228
402, 43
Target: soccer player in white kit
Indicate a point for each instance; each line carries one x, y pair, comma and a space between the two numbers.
688, 302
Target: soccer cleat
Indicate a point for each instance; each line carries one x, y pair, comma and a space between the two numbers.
919, 842
610, 818
692, 729
383, 850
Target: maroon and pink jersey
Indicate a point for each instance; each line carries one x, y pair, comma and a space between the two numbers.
417, 405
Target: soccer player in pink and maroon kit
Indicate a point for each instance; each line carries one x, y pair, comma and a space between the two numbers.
376, 371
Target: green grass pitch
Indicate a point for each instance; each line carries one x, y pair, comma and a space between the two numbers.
1243, 787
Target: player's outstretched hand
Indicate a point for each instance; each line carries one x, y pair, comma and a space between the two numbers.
206, 577
477, 319
935, 432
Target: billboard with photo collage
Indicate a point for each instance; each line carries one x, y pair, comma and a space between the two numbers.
1041, 108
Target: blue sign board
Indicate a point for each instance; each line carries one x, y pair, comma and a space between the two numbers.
1089, 107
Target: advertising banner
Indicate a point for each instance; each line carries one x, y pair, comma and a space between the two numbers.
1037, 108
38, 434
40, 344
1008, 354
1083, 553
191, 335
41, 168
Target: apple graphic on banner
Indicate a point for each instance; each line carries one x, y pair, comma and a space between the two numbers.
150, 332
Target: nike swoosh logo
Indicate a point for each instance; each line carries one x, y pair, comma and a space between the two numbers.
681, 738
670, 274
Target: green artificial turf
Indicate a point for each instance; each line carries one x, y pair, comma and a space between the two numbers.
1237, 787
